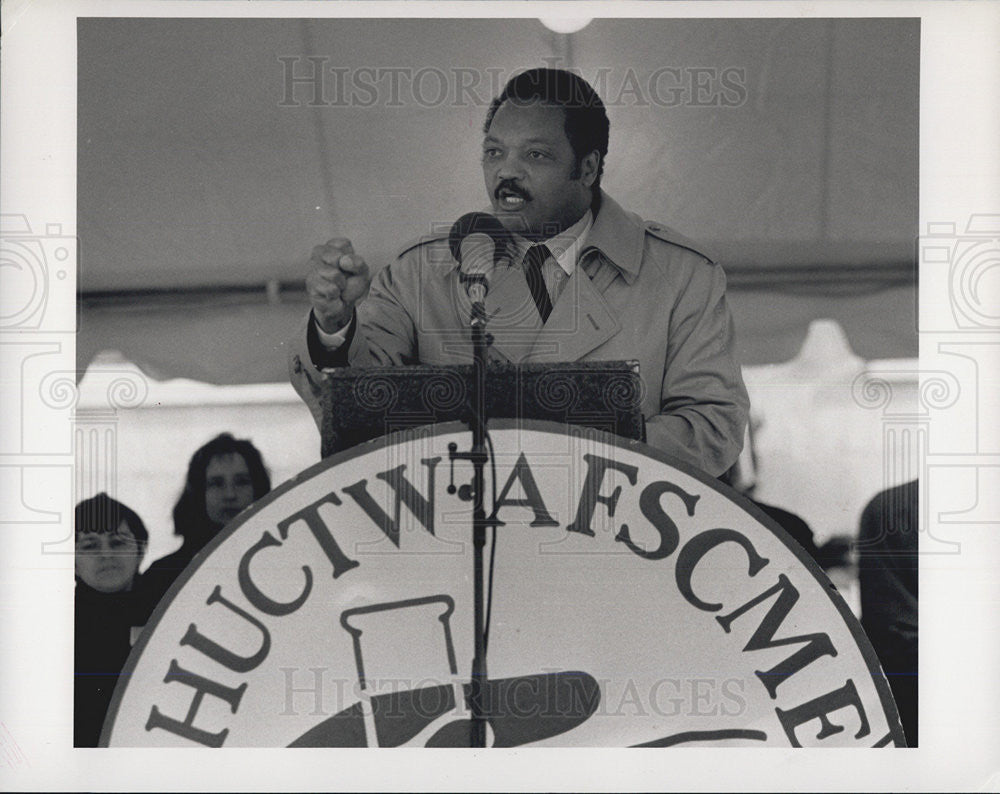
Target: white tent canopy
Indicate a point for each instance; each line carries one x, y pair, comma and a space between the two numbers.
210, 164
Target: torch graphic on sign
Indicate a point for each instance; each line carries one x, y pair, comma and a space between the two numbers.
411, 694
405, 658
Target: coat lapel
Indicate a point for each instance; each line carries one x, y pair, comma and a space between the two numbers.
512, 317
581, 318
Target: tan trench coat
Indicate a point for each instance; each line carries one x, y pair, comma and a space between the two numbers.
639, 292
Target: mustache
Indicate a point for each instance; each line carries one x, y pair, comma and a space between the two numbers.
511, 186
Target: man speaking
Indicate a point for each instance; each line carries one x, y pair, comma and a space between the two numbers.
580, 279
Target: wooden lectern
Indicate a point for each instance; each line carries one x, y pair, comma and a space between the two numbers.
360, 404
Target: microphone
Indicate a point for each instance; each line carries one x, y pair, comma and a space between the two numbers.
478, 242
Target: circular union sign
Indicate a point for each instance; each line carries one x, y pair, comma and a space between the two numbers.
633, 601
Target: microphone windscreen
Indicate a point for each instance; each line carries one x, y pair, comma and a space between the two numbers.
477, 254
478, 223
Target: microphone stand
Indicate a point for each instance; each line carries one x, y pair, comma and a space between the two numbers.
478, 457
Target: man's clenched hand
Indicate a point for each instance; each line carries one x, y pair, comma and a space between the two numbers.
338, 280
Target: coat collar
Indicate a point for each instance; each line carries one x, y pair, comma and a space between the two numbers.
619, 236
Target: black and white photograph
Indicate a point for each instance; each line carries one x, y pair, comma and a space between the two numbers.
482, 377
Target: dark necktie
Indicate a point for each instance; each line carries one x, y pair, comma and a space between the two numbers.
533, 262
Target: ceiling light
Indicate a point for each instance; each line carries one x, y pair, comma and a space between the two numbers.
565, 24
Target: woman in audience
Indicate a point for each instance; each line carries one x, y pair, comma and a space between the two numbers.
224, 477
110, 542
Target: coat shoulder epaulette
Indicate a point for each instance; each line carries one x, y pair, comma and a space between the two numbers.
668, 235
424, 239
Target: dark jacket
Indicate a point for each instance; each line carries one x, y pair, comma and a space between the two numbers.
887, 571
156, 581
105, 624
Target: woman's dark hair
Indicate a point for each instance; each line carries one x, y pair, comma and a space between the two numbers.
191, 520
585, 119
103, 514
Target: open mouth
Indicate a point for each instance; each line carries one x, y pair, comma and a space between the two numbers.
510, 200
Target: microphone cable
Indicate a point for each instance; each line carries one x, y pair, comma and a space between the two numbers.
493, 545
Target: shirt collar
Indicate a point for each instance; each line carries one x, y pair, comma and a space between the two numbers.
564, 247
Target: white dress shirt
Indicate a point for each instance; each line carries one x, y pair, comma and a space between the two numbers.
564, 249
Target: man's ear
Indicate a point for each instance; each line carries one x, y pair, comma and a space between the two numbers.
589, 165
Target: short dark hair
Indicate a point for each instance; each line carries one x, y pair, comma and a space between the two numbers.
190, 517
585, 119
102, 514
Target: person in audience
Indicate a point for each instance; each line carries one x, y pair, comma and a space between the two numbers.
887, 572
224, 477
110, 543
